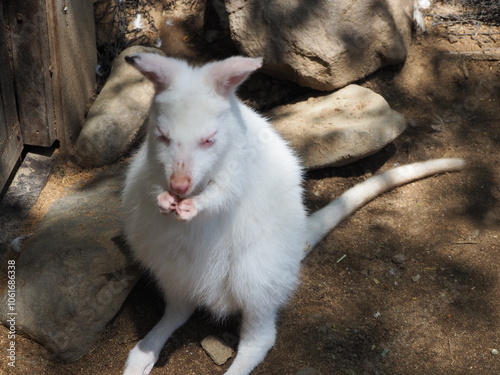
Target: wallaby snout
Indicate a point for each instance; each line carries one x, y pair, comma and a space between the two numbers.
180, 184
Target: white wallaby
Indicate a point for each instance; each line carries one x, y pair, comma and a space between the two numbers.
213, 206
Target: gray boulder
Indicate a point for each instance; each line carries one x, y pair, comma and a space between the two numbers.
115, 120
340, 128
73, 274
322, 44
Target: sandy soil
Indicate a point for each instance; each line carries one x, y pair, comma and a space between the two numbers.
407, 285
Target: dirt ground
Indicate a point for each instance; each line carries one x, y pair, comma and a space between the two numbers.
409, 284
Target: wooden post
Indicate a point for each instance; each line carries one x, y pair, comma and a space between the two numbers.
74, 60
27, 22
54, 57
11, 143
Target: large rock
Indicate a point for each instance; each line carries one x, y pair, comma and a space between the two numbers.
115, 120
339, 128
73, 274
322, 44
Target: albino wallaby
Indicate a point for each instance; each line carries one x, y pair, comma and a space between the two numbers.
213, 206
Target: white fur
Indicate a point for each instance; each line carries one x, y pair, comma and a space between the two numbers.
17, 243
418, 18
234, 240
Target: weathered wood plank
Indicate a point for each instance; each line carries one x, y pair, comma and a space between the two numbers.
27, 22
8, 111
11, 144
9, 155
73, 60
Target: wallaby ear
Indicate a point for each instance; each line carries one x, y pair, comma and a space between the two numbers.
228, 74
157, 68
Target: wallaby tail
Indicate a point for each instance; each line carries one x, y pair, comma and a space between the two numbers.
324, 220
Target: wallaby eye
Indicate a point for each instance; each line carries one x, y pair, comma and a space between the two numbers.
164, 138
208, 141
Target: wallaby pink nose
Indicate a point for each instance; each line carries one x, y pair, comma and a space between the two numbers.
179, 184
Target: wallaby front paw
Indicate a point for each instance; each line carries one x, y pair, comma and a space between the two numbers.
139, 362
167, 203
185, 210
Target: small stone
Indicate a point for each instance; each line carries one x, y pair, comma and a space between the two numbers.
217, 349
415, 278
494, 351
452, 38
399, 258
393, 271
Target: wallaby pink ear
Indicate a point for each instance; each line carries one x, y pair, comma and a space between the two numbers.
158, 69
228, 74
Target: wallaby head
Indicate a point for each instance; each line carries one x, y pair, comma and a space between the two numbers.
194, 117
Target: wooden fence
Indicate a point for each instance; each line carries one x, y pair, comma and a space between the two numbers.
47, 74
